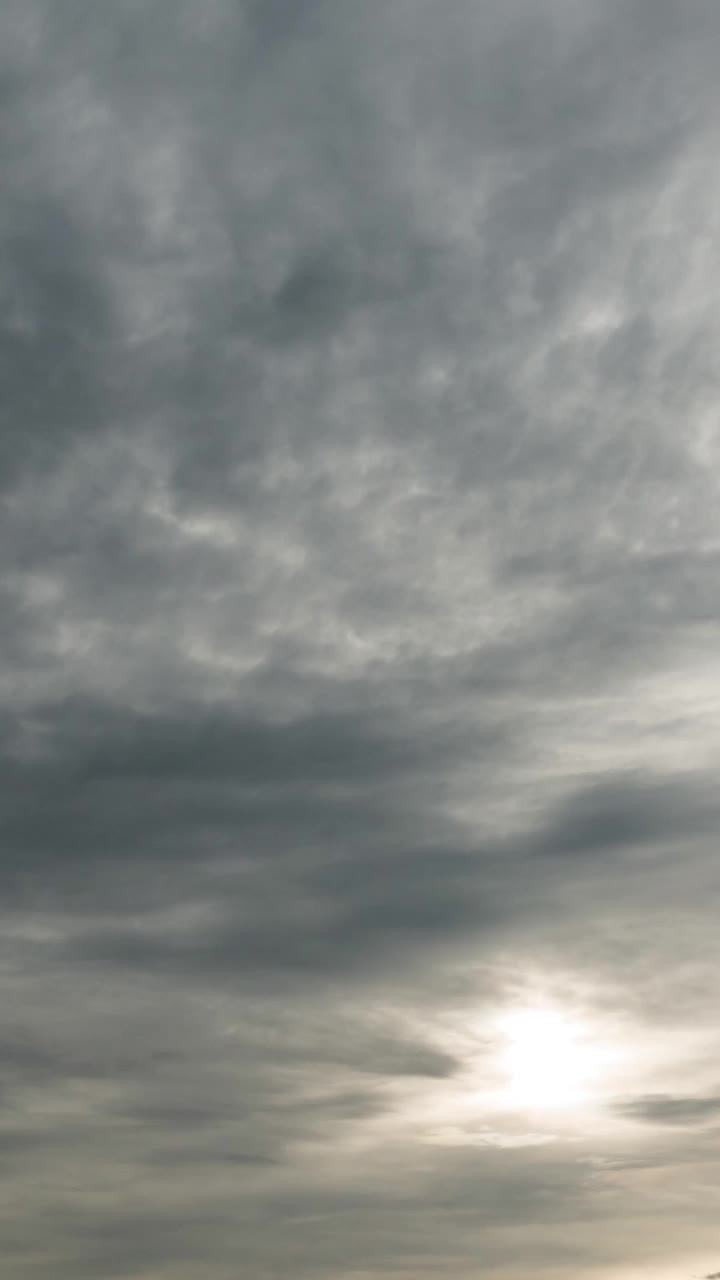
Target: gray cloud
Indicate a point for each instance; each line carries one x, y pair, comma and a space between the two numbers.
625, 812
665, 1110
358, 550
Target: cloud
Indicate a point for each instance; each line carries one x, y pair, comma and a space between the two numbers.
622, 813
662, 1109
358, 561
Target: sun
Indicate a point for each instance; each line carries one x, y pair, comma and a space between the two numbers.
547, 1060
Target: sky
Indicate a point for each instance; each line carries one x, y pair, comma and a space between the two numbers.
360, 632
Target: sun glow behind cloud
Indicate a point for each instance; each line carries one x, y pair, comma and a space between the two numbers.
535, 1073
549, 1060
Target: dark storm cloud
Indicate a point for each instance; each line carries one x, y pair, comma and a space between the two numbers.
54, 339
333, 901
324, 934
313, 843
621, 813
83, 779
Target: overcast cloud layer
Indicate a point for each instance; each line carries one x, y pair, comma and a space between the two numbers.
359, 611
